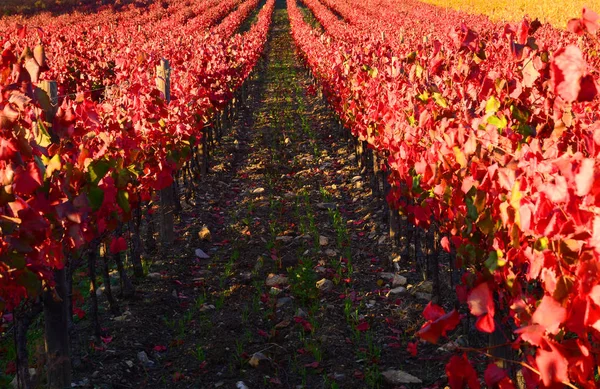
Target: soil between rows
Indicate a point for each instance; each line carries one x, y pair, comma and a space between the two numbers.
284, 198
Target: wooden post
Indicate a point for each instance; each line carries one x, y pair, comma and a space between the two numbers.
56, 301
58, 350
136, 242
204, 152
163, 83
48, 100
23, 320
51, 90
163, 79
93, 291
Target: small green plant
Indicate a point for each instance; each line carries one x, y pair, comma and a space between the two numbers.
170, 323
303, 280
146, 264
220, 301
348, 308
245, 314
315, 349
327, 384
228, 268
188, 317
200, 301
373, 376
239, 351
200, 354
325, 194
373, 349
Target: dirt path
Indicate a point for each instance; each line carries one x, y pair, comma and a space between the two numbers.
291, 294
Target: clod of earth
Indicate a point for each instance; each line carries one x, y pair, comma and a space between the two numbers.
397, 377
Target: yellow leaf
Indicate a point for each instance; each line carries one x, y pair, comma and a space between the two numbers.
460, 157
516, 195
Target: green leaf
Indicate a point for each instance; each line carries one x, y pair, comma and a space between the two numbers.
492, 105
486, 224
492, 262
123, 200
416, 184
98, 170
501, 123
525, 130
132, 170
472, 213
40, 164
123, 178
541, 244
521, 116
9, 225
30, 282
15, 260
96, 197
42, 137
495, 261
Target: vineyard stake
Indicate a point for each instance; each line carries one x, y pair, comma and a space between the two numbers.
163, 83
56, 300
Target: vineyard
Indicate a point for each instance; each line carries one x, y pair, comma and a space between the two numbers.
299, 194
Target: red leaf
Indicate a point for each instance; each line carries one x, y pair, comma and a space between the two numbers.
552, 365
549, 314
160, 348
480, 300
445, 242
21, 31
106, 339
433, 329
585, 178
27, 180
11, 368
481, 303
533, 334
461, 373
118, 245
496, 377
362, 327
522, 32
567, 70
485, 323
178, 376
433, 312
313, 365
7, 148
588, 89
590, 20
411, 347
575, 25
80, 313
